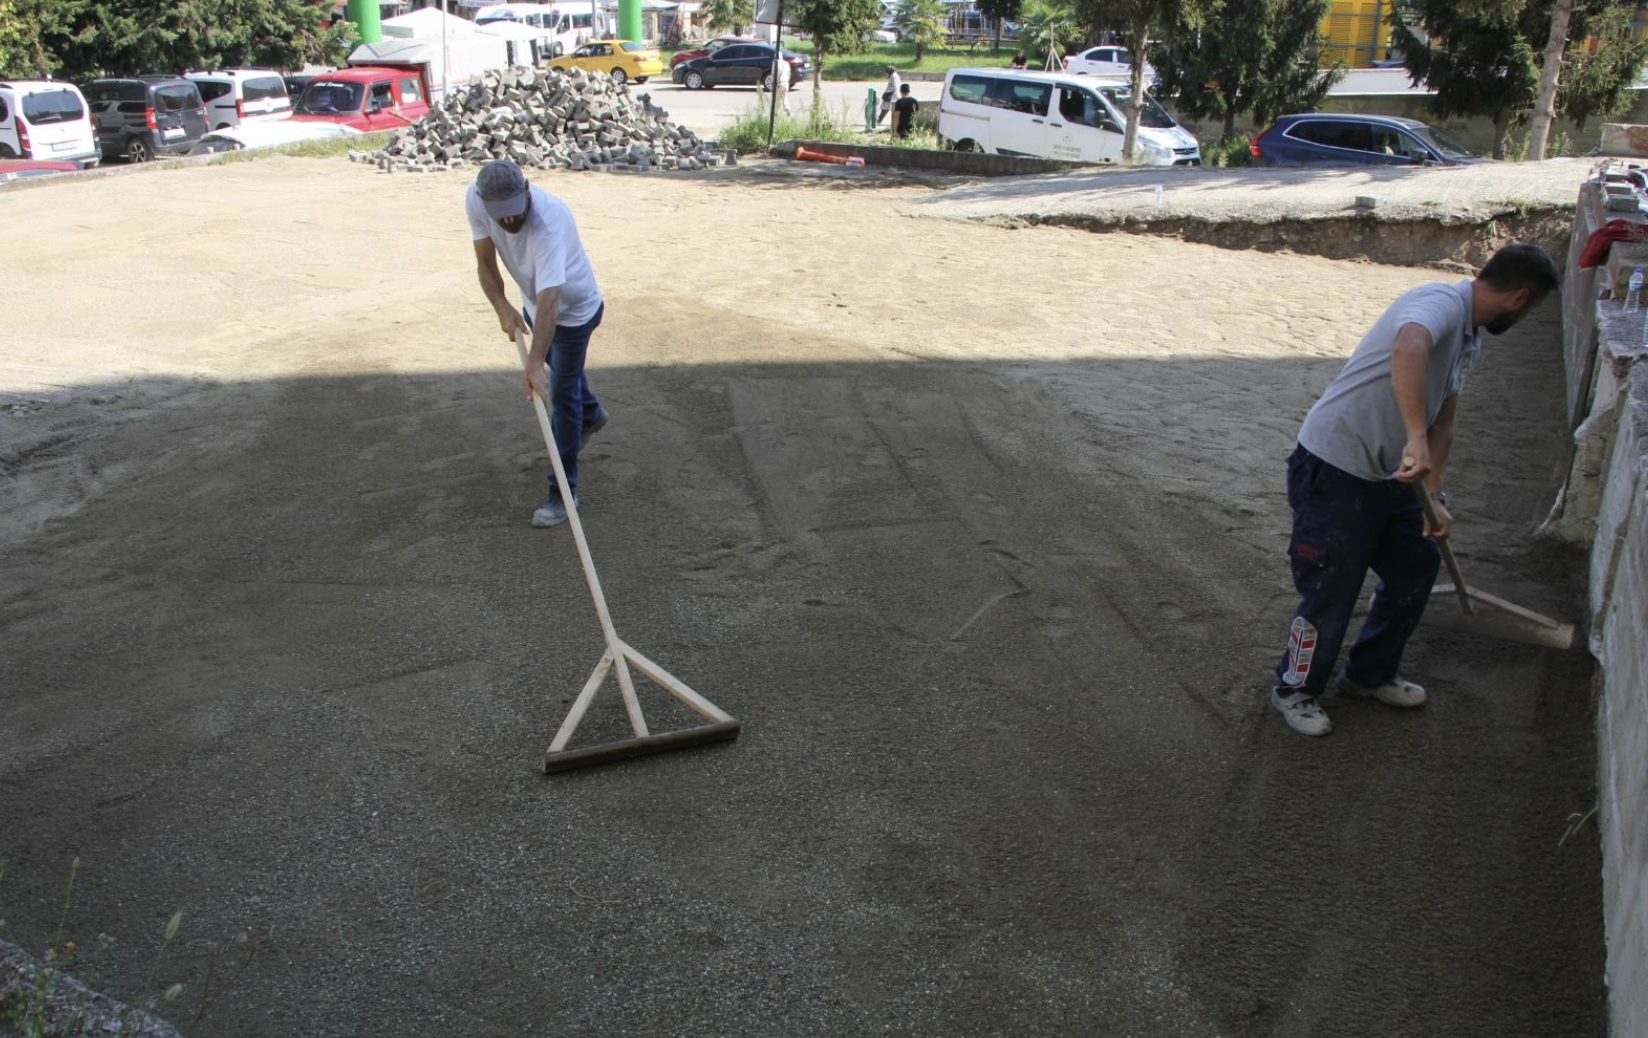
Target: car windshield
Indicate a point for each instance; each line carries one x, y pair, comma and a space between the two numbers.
264, 89
331, 98
1151, 114
52, 106
1444, 147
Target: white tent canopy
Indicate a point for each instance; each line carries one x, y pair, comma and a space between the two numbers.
426, 23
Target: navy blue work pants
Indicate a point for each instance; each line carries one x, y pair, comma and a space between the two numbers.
1342, 527
571, 403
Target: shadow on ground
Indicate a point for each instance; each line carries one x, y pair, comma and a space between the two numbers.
291, 663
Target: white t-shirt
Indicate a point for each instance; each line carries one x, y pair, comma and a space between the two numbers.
546, 253
1356, 425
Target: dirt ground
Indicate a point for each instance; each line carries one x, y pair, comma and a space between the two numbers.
978, 531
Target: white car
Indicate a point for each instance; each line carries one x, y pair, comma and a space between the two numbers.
241, 95
268, 135
46, 120
1108, 60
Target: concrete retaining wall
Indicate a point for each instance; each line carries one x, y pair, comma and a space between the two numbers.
1605, 503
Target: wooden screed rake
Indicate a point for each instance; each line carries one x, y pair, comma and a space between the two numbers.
619, 656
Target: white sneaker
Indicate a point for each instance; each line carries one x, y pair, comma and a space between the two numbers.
1302, 713
1395, 692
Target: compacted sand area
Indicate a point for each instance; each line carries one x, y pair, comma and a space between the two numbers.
978, 531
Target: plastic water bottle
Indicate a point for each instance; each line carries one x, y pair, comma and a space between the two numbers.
1633, 292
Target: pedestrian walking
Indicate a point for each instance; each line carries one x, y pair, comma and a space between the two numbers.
1384, 425
904, 112
535, 235
781, 75
890, 94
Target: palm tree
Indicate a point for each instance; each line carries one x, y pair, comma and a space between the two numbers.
1047, 27
920, 22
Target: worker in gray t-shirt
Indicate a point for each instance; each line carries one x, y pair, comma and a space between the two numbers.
1382, 425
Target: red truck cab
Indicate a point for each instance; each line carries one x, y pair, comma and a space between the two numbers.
367, 98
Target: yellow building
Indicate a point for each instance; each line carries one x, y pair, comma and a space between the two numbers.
1358, 33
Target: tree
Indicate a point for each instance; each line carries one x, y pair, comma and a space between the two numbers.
78, 40
1550, 71
920, 22
836, 26
1480, 59
1476, 62
999, 11
1137, 21
33, 34
1046, 28
1249, 54
733, 16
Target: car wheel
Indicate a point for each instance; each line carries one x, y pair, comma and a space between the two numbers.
965, 144
693, 80
619, 77
138, 150
641, 79
6, 152
766, 82
221, 126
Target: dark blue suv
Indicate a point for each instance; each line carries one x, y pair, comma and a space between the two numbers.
1334, 139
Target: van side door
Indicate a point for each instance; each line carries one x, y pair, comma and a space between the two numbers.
1018, 120
1083, 129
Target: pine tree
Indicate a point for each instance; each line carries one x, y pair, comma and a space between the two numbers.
1478, 60
1257, 55
1482, 58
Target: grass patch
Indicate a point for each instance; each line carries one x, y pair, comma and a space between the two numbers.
871, 63
326, 148
1230, 152
749, 133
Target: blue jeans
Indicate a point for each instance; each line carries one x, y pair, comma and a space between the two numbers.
1342, 527
572, 405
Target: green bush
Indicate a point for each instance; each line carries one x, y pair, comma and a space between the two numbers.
1232, 151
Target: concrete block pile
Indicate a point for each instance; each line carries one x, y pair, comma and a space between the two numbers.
545, 119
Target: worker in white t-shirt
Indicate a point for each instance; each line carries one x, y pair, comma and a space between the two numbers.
534, 233
890, 94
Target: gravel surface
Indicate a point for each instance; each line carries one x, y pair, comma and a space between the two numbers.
978, 531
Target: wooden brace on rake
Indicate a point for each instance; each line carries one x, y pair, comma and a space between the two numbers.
619, 657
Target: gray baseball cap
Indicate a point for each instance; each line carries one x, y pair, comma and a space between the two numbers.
502, 187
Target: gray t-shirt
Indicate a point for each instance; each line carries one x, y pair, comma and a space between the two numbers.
1356, 425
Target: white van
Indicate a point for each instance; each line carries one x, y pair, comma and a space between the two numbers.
45, 120
241, 95
1052, 115
565, 26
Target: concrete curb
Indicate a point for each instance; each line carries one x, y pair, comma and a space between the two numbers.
968, 162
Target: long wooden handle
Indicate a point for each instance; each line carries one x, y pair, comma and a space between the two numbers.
1452, 563
615, 646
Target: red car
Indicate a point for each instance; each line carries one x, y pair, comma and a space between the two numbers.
17, 169
365, 98
709, 48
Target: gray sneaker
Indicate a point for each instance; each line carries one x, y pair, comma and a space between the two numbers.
1395, 692
1302, 713
553, 511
